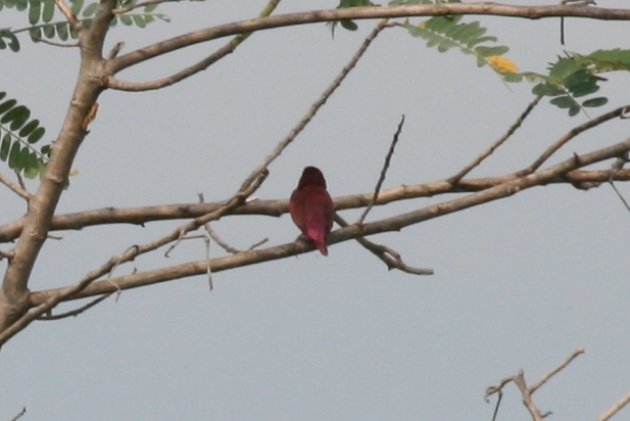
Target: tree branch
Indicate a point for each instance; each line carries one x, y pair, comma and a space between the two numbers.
14, 297
229, 48
276, 208
615, 408
380, 12
394, 223
485, 154
381, 177
317, 105
618, 112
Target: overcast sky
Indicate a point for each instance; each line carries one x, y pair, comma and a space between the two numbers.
519, 283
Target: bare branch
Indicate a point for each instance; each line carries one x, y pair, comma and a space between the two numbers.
15, 187
381, 178
394, 223
390, 257
275, 208
5, 255
57, 43
70, 16
77, 311
618, 112
315, 107
20, 414
380, 12
620, 196
558, 369
519, 121
229, 48
526, 391
615, 408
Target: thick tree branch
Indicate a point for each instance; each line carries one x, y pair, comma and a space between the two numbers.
276, 208
382, 12
395, 223
14, 297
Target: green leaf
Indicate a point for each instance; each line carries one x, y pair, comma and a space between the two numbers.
35, 11
563, 102
5, 146
126, 20
595, 102
138, 21
36, 33
62, 30
547, 89
76, 6
49, 10
49, 30
14, 156
90, 10
17, 116
37, 134
28, 128
12, 40
7, 105
491, 51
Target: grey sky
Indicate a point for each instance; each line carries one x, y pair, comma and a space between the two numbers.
519, 283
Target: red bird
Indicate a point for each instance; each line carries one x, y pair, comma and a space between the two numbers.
312, 208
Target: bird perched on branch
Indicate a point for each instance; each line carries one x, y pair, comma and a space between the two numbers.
312, 208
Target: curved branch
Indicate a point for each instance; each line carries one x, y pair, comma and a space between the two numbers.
112, 82
618, 112
276, 208
381, 12
395, 223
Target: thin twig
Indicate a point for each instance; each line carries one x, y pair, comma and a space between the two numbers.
615, 408
203, 64
618, 112
6, 255
390, 257
381, 177
485, 154
57, 43
130, 254
558, 369
317, 105
67, 12
76, 312
527, 392
15, 187
20, 414
623, 200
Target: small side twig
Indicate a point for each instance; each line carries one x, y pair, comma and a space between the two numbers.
390, 257
381, 177
615, 408
528, 391
70, 16
500, 141
20, 414
6, 255
317, 105
618, 112
558, 369
15, 187
76, 312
